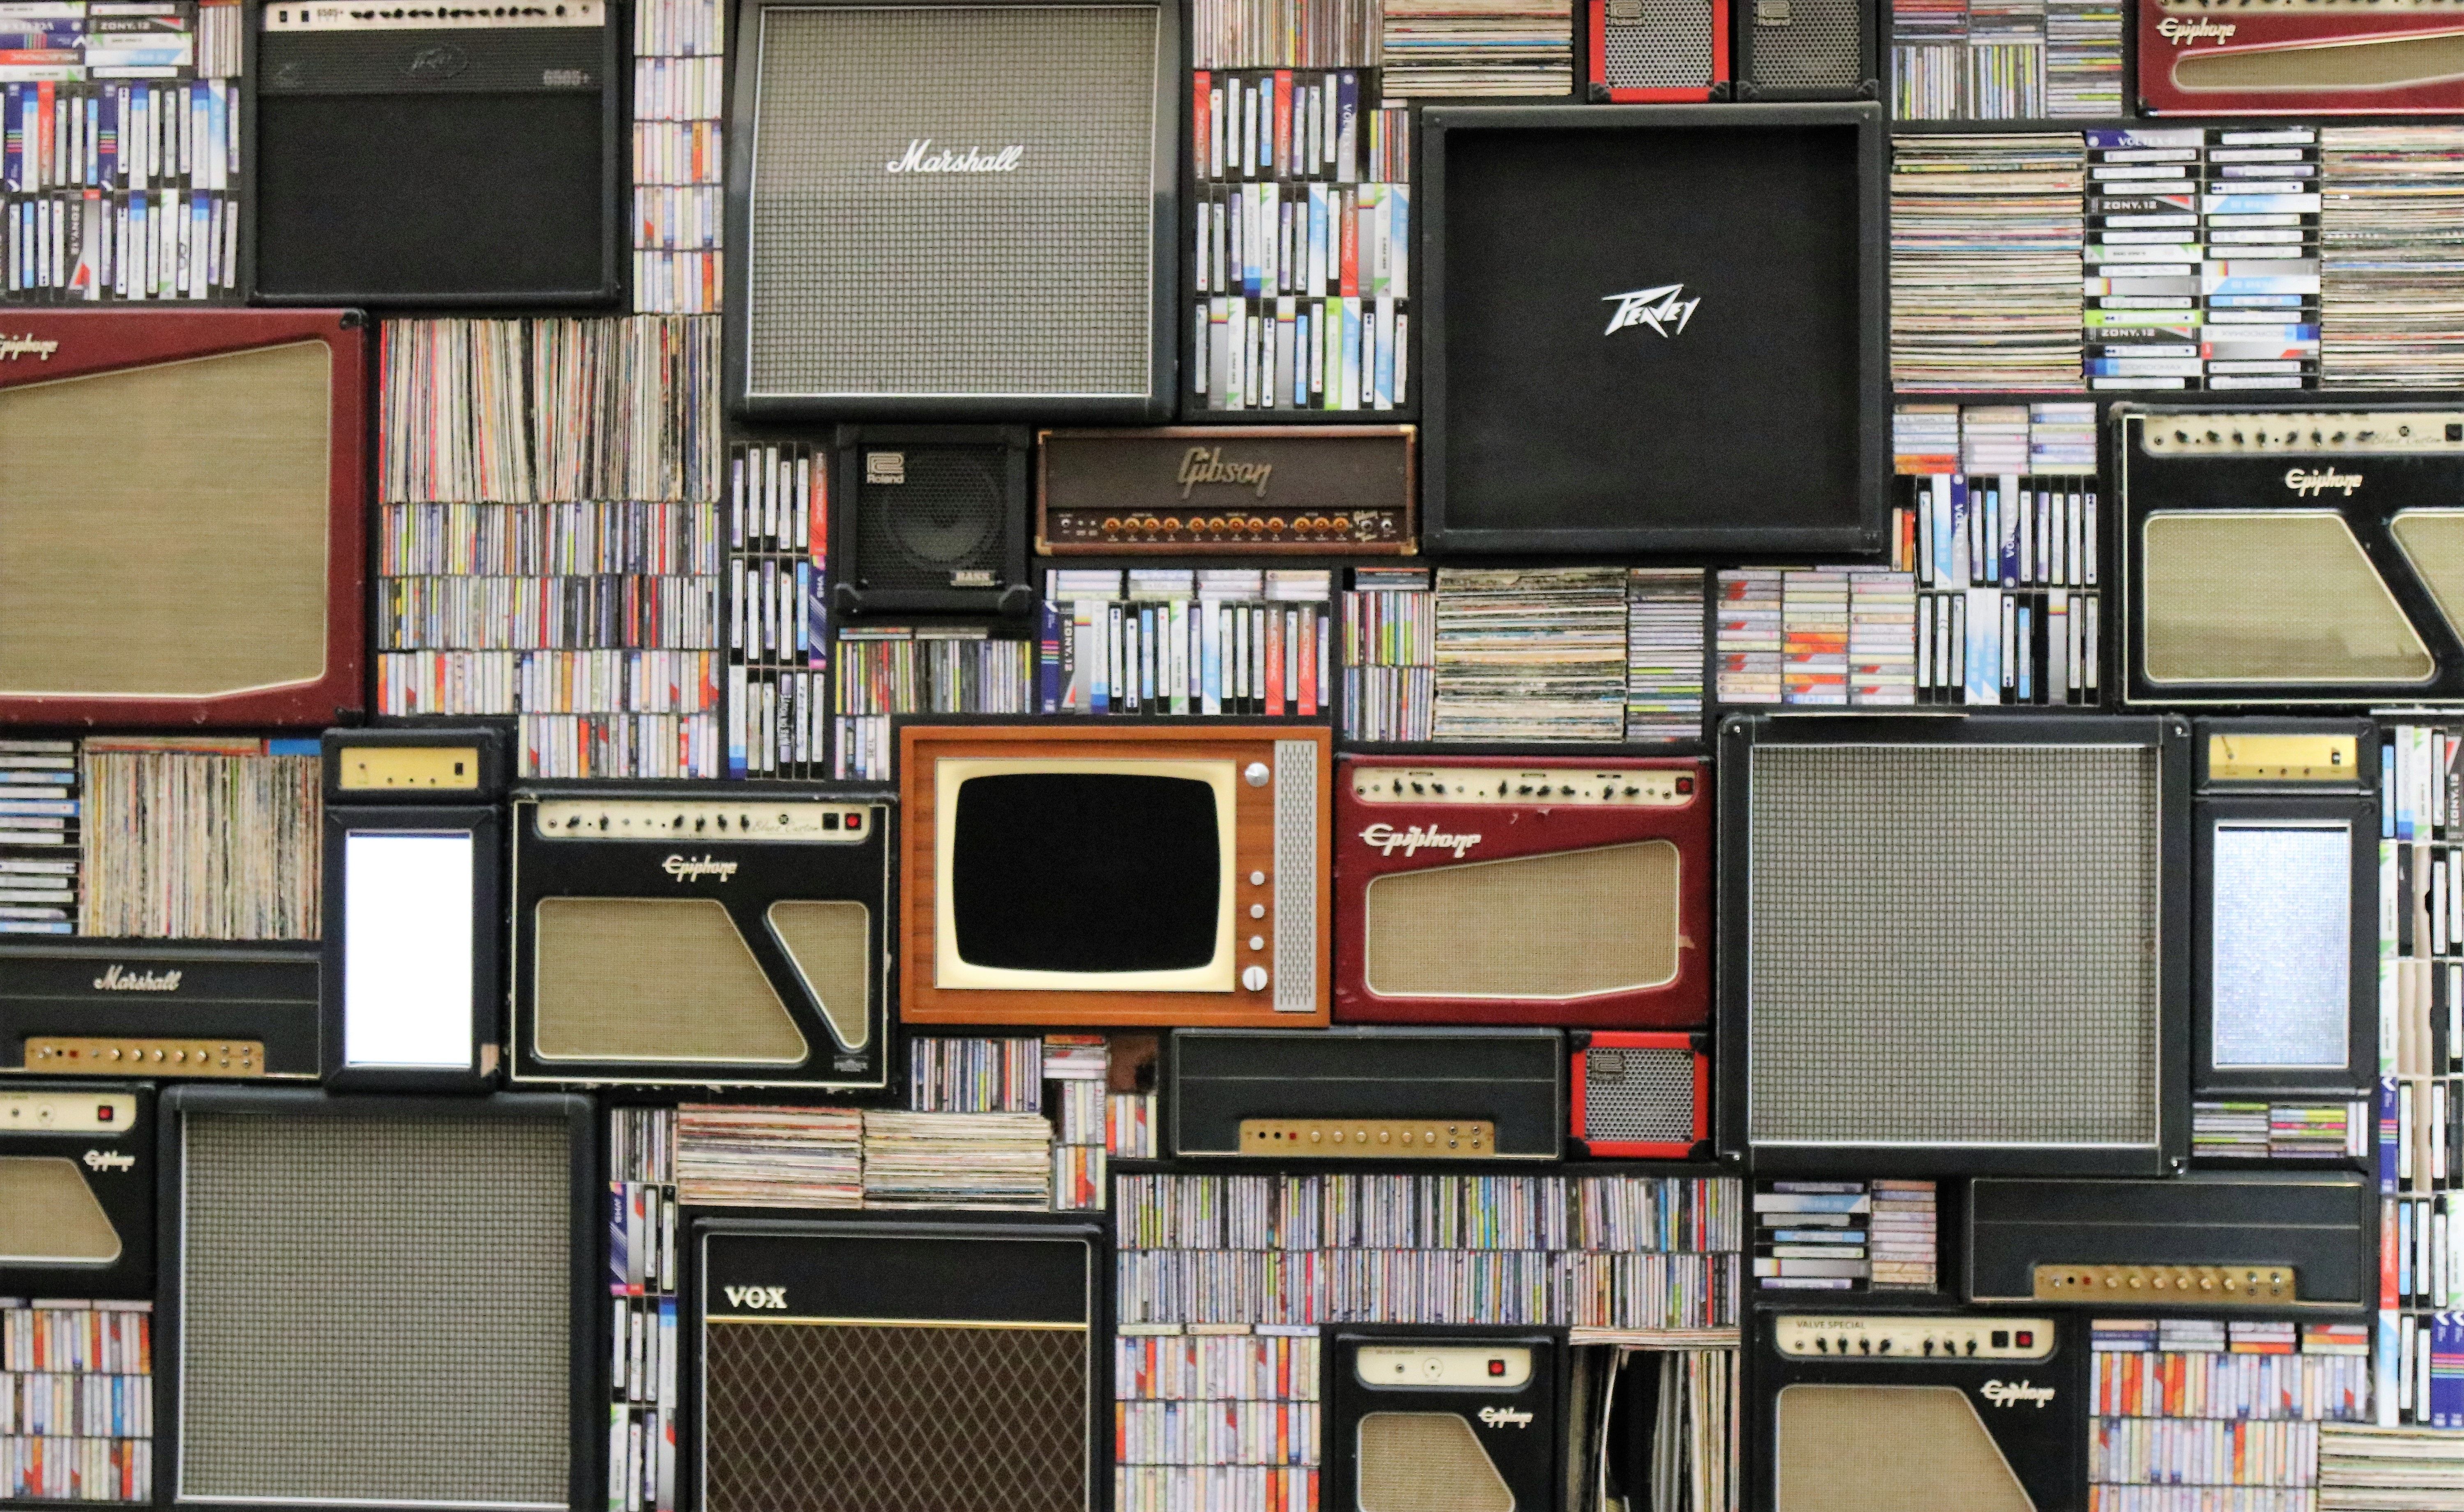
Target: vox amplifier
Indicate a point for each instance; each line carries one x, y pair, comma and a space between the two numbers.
201, 1009
2300, 58
1249, 490
1441, 1420
76, 1186
1645, 1095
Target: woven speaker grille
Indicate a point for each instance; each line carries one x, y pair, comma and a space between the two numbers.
2432, 541
1555, 926
49, 1216
1821, 47
376, 1309
163, 530
860, 1418
1890, 1449
653, 980
1643, 1095
1427, 1462
1670, 48
1953, 945
829, 945
2381, 62
1026, 282
2278, 597
947, 517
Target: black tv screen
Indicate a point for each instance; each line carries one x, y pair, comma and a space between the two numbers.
1084, 871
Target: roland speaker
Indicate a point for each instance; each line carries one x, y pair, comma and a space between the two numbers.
77, 1190
1654, 52
1806, 49
1645, 1095
931, 518
954, 211
1441, 1420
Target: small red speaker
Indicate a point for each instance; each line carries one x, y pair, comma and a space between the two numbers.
1640, 1094
1645, 51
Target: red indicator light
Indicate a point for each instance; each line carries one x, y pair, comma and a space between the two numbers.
1497, 1367
1685, 784
855, 822
102, 1113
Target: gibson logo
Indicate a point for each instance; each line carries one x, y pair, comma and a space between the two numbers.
1202, 466
14, 347
2011, 1393
684, 870
108, 1160
1652, 307
2182, 33
1505, 1417
773, 1298
2309, 485
1415, 840
920, 158
116, 980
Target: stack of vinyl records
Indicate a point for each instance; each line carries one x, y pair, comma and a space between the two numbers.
769, 1158
1664, 653
1985, 262
2083, 58
957, 1160
2391, 256
1470, 49
39, 836
1531, 654
200, 838
2389, 1468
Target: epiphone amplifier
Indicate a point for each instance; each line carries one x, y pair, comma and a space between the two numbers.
2208, 1239
1375, 1094
1806, 49
1900, 1411
199, 1008
2309, 557
707, 936
468, 154
2297, 57
325, 1264
932, 518
1657, 51
1641, 1095
871, 1365
1441, 1420
181, 516
1227, 490
76, 1186
954, 211
1474, 890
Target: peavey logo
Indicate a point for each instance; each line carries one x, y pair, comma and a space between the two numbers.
1655, 308
686, 870
1505, 1417
2310, 485
2182, 33
1202, 466
1415, 840
108, 1160
433, 64
116, 978
769, 1299
920, 158
2011, 1393
14, 347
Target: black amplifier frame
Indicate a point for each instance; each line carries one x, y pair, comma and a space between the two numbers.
96, 987
119, 1170
1532, 1451
1381, 1072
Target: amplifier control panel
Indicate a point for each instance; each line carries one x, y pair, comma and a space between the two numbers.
2263, 432
1369, 1138
1383, 531
1966, 1336
761, 819
1502, 1367
376, 769
2196, 1285
1533, 786
128, 1055
66, 1112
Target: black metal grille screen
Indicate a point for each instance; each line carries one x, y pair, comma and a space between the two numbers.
1953, 945
947, 516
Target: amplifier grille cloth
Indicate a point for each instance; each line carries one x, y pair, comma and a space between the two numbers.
1555, 926
1642, 1095
2280, 597
1822, 46
653, 980
1670, 48
946, 516
2383, 62
832, 949
49, 1216
163, 530
1889, 1004
838, 1417
2432, 541
1032, 281
1297, 847
1427, 1462
376, 1309
1908, 1448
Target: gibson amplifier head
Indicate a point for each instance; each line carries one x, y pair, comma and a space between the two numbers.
932, 517
954, 211
1379, 1094
181, 516
1655, 51
1481, 889
2300, 58
1431, 1420
1245, 491
717, 937
76, 1190
1640, 1094
198, 1008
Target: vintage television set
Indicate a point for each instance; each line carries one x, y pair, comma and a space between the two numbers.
2300, 58
1155, 873
182, 502
1505, 890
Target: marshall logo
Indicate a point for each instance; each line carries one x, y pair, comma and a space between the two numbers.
920, 158
1415, 840
2011, 1393
1205, 466
118, 980
1656, 308
14, 347
684, 870
108, 1160
2310, 485
767, 1299
2183, 34
1505, 1417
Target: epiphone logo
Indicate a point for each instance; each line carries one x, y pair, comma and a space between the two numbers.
767, 1299
1202, 466
1415, 840
2310, 485
685, 870
119, 979
920, 158
1505, 1417
14, 347
108, 1160
2014, 1393
2182, 33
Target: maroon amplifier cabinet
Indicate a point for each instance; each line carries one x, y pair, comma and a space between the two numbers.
1640, 1095
2302, 57
183, 508
1512, 890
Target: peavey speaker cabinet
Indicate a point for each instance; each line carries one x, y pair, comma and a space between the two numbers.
1441, 1420
954, 211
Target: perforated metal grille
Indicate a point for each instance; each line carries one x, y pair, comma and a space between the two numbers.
1296, 870
1638, 1095
945, 517
1953, 945
1670, 48
839, 1417
1820, 46
375, 1309
1027, 281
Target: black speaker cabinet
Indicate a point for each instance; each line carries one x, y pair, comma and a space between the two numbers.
1655, 328
931, 518
1806, 49
1441, 1420
76, 1190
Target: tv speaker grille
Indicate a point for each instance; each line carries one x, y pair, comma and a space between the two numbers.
1297, 849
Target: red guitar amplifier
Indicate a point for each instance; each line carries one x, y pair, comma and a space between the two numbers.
2293, 58
1639, 1094
1647, 52
1500, 890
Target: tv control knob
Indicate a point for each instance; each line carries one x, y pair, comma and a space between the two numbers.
1255, 773
1254, 979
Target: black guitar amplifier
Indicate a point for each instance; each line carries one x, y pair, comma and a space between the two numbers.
931, 517
1374, 1094
96, 1007
1441, 1420
76, 1190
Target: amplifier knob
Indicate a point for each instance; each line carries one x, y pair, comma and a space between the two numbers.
1254, 979
1112, 527
1173, 524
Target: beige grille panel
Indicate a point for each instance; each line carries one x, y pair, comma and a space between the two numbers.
1566, 925
1427, 1462
163, 530
2380, 63
2284, 596
1890, 1449
49, 1216
2432, 541
829, 945
653, 980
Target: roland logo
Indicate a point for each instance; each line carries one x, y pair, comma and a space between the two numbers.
1505, 1417
2309, 484
2185, 33
2016, 1393
118, 978
1206, 464
763, 1299
1661, 309
920, 158
1386, 838
108, 1160
14, 347
690, 869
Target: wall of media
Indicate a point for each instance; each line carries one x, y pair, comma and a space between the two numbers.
1266, 782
